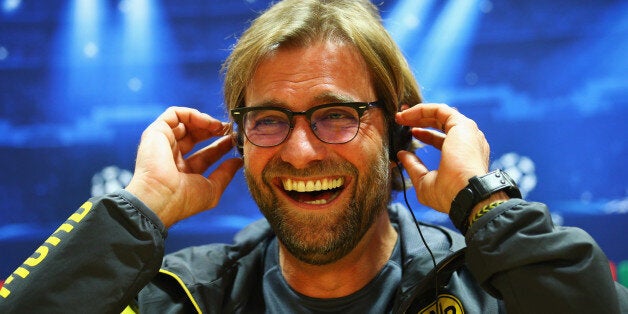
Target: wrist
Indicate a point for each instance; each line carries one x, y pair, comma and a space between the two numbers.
480, 191
498, 197
151, 197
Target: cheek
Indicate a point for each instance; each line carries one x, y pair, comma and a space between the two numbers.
256, 158
373, 132
371, 140
362, 150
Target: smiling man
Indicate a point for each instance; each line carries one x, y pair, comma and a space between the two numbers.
319, 225
318, 93
342, 229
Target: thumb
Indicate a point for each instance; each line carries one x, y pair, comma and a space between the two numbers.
221, 177
414, 166
422, 179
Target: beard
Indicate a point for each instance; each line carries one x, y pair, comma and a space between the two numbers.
317, 237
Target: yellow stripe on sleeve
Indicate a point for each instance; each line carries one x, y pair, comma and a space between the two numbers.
189, 294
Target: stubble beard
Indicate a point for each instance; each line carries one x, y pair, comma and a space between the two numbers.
320, 238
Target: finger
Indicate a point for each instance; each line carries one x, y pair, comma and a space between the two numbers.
430, 137
220, 178
423, 180
190, 126
193, 137
207, 156
157, 145
179, 131
413, 165
438, 116
190, 117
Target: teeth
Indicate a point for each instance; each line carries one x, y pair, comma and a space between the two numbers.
317, 202
312, 185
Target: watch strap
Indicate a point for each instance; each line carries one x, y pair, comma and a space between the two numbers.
479, 189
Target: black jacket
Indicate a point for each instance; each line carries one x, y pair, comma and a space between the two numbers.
108, 255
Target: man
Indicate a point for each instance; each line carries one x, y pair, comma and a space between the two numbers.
317, 90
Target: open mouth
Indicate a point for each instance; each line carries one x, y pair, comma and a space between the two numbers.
314, 192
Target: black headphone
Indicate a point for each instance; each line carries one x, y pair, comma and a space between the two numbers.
400, 138
238, 138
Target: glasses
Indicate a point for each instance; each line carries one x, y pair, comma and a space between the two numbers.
335, 123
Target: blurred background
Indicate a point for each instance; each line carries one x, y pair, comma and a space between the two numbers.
547, 81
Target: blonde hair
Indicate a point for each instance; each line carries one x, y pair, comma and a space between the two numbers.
298, 23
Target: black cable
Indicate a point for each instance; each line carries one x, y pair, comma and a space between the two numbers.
416, 223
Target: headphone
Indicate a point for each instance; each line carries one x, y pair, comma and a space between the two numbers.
238, 138
400, 138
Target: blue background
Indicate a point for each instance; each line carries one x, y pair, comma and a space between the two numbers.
547, 81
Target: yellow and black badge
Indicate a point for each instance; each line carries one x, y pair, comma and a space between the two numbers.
447, 304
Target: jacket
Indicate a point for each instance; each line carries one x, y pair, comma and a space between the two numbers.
110, 254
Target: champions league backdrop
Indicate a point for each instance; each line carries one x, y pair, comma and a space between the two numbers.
547, 82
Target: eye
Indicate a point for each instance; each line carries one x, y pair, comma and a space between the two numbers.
266, 121
336, 115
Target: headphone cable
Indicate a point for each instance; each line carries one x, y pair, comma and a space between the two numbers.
416, 223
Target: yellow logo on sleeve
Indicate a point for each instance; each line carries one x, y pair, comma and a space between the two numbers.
447, 304
40, 254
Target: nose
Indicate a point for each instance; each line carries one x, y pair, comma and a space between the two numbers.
302, 146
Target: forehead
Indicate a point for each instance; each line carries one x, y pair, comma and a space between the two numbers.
321, 72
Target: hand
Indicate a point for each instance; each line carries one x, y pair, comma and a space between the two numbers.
172, 185
464, 152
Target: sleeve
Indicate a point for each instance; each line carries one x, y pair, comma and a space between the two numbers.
518, 255
95, 262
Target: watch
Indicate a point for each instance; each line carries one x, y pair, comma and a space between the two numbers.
479, 189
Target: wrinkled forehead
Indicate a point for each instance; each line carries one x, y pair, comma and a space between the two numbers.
326, 71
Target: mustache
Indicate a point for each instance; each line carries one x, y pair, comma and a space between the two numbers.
278, 167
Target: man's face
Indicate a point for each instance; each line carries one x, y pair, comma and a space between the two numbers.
350, 182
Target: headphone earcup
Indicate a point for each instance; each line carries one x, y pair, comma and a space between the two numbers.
400, 139
239, 142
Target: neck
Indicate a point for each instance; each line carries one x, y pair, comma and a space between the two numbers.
350, 273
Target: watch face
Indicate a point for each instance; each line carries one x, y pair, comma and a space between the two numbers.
511, 188
509, 179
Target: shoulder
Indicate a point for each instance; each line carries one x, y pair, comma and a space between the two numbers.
211, 262
441, 240
213, 277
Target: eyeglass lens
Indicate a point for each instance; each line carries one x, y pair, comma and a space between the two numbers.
270, 127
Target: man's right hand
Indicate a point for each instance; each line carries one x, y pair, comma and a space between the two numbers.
172, 185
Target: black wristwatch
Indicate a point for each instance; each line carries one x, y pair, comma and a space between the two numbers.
479, 189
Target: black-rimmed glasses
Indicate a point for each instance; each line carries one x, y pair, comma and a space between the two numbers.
334, 123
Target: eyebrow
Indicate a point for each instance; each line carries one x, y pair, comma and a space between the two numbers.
324, 98
330, 97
